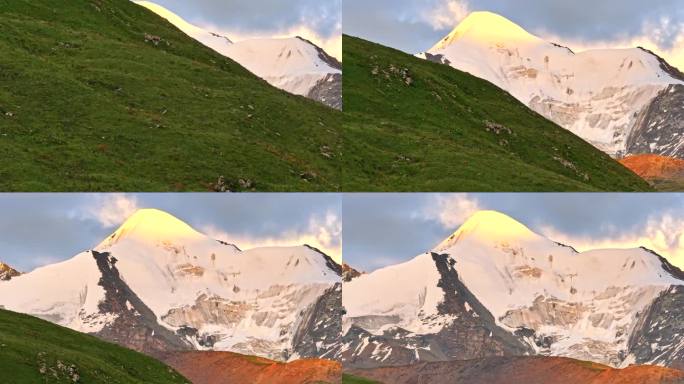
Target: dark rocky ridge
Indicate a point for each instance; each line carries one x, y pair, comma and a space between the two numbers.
320, 329
330, 263
656, 339
659, 128
324, 56
136, 326
328, 91
665, 66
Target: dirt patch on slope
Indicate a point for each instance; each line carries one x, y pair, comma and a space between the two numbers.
230, 368
528, 370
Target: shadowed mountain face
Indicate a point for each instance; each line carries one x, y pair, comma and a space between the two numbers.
230, 368
411, 124
528, 370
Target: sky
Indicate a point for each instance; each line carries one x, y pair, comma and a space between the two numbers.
317, 20
416, 25
385, 229
41, 229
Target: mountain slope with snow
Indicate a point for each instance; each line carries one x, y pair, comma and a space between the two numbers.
623, 101
293, 64
156, 285
521, 287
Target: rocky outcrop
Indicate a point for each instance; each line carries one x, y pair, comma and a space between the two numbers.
7, 272
328, 91
659, 127
658, 336
349, 273
320, 328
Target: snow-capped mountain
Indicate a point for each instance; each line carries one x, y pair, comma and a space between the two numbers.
158, 285
294, 64
495, 288
623, 101
7, 272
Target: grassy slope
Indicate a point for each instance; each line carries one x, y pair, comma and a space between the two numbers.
28, 343
96, 107
431, 135
351, 379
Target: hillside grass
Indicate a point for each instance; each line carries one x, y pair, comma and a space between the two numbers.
430, 133
87, 104
36, 351
351, 379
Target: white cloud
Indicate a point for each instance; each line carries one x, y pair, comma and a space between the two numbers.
323, 232
663, 234
446, 14
451, 210
112, 209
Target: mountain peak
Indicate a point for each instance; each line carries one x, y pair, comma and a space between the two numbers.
151, 225
486, 27
490, 225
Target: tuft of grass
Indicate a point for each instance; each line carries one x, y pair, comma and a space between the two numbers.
36, 351
90, 100
414, 125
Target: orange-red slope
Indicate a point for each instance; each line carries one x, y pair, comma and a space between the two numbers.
655, 167
519, 370
231, 368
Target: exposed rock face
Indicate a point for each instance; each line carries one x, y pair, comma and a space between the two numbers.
320, 328
469, 331
658, 337
659, 128
328, 91
349, 273
207, 310
135, 326
528, 370
7, 272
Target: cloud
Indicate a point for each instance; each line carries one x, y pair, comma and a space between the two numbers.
111, 210
446, 14
663, 234
324, 231
451, 210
